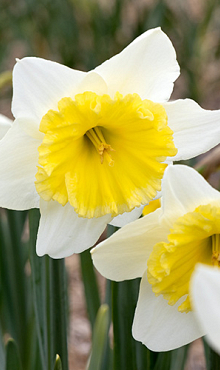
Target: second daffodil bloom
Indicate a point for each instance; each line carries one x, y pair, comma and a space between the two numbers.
163, 248
87, 147
5, 125
205, 293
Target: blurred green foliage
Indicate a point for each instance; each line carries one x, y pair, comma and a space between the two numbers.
82, 34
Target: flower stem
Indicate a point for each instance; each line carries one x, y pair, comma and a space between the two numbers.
49, 296
90, 286
215, 361
212, 358
128, 354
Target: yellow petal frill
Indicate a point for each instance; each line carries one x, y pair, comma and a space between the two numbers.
103, 155
195, 237
151, 207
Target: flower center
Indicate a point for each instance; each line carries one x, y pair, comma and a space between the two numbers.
103, 155
195, 237
103, 149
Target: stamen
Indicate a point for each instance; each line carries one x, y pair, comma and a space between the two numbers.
99, 134
108, 158
93, 138
96, 137
216, 250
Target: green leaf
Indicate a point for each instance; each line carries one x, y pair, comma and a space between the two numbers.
58, 308
172, 360
50, 301
90, 286
145, 358
33, 358
99, 338
2, 350
164, 361
122, 316
14, 282
38, 286
107, 360
207, 354
13, 361
179, 357
212, 358
127, 353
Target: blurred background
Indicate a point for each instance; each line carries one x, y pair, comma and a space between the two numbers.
82, 34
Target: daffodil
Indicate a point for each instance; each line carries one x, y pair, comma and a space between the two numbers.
87, 148
151, 206
163, 249
5, 125
205, 293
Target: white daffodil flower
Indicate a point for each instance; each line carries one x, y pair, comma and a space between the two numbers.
5, 125
163, 248
89, 147
205, 295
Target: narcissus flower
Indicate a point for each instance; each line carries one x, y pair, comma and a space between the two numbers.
163, 248
205, 293
151, 206
5, 125
87, 147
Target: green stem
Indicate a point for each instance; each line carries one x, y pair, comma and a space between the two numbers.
107, 355
58, 309
50, 297
37, 279
214, 360
124, 298
128, 353
49, 318
90, 286
13, 281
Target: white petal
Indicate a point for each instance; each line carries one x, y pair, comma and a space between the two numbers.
61, 232
18, 166
39, 84
124, 255
183, 190
93, 82
127, 217
196, 130
30, 127
147, 66
205, 292
160, 326
5, 125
